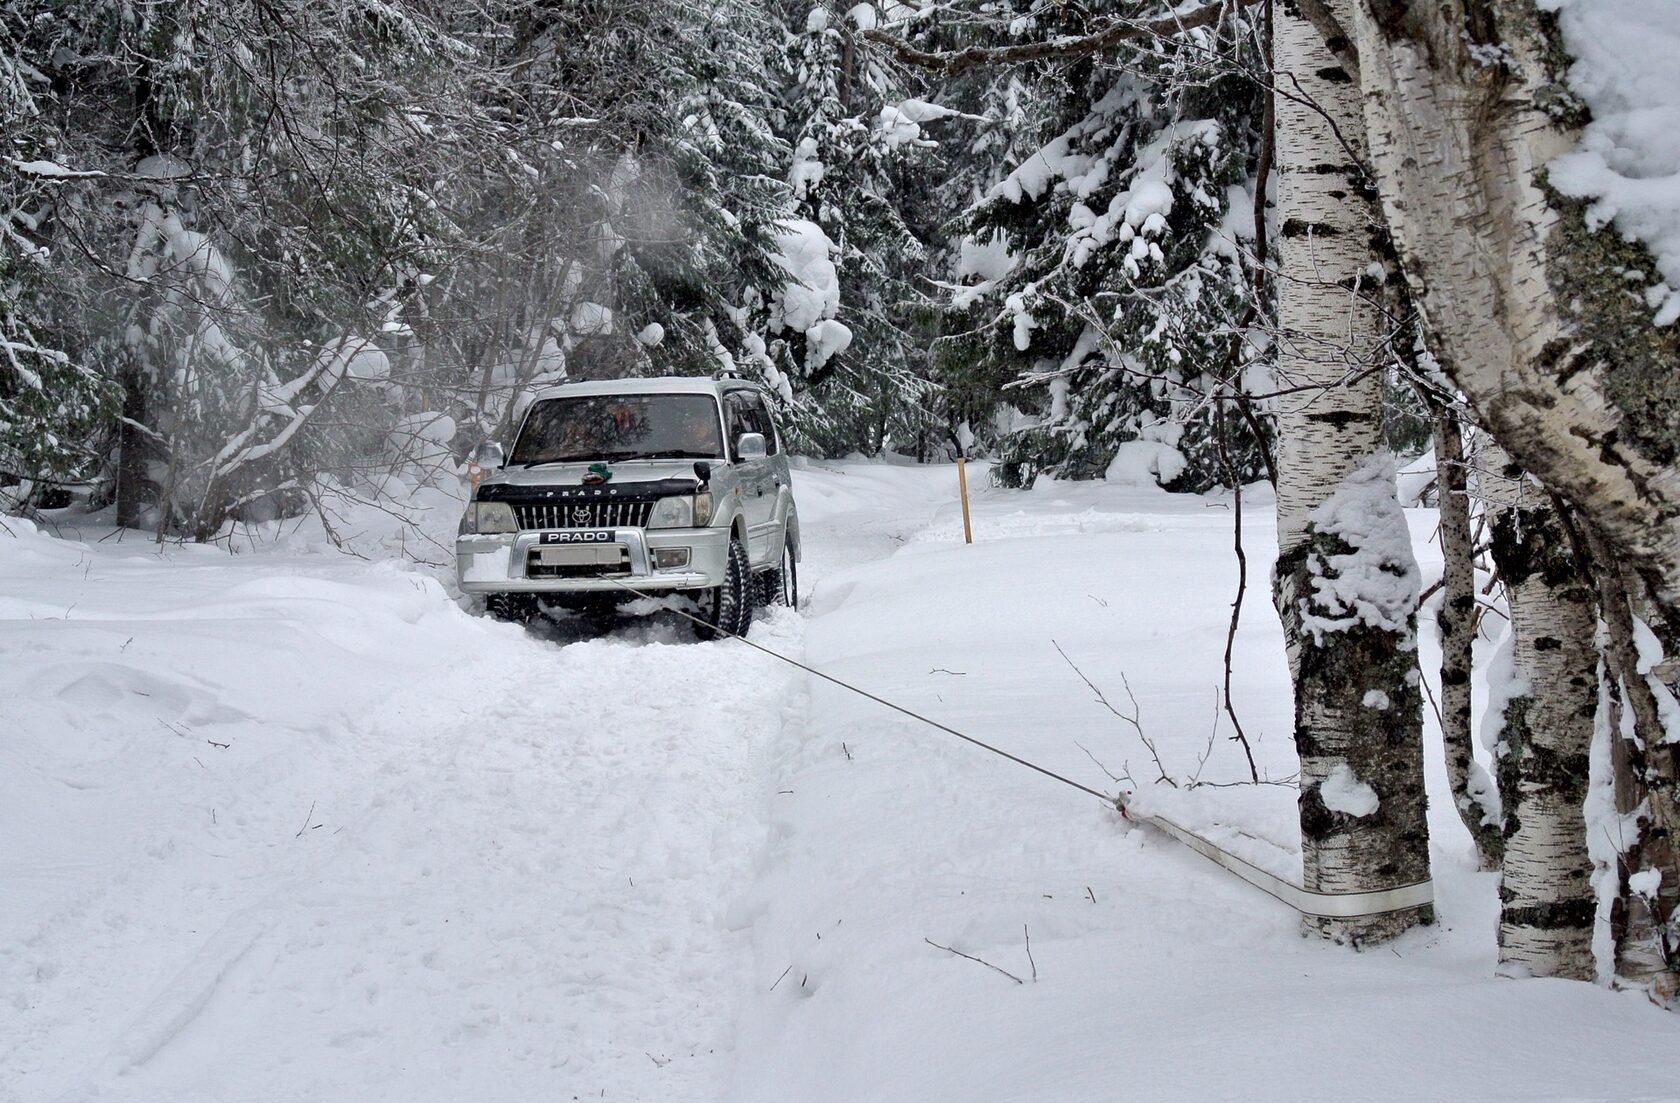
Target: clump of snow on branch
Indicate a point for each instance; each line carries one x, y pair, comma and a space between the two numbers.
901, 123
589, 319
1376, 582
809, 301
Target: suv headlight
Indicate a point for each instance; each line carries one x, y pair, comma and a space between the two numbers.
488, 518
672, 513
681, 513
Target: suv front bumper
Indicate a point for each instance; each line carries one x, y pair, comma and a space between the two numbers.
496, 564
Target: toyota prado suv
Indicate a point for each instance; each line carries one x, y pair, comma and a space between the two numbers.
635, 487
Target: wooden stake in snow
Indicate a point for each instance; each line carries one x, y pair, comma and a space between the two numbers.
962, 490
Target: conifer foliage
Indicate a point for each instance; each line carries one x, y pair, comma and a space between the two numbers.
1105, 271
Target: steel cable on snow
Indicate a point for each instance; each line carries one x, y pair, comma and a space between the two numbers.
1330, 905
947, 729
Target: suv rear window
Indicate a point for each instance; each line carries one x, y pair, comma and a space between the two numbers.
620, 427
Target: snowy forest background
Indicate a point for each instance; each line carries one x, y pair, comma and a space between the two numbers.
268, 251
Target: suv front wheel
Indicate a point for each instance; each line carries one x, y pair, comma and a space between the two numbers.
514, 608
727, 609
780, 584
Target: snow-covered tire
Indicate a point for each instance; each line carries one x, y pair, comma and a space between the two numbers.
513, 608
780, 584
727, 609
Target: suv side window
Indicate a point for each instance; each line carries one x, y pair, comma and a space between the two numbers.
747, 414
734, 419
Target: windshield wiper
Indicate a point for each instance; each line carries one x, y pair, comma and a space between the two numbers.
677, 454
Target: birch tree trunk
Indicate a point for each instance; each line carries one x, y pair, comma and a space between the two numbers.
1345, 583
1547, 904
1473, 790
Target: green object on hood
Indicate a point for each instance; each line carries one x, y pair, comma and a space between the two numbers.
600, 469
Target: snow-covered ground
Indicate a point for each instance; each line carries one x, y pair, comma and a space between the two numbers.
289, 825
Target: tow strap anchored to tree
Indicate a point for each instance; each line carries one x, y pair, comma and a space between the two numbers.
1323, 905
1326, 905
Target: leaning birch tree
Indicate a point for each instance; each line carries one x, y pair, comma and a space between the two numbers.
1346, 582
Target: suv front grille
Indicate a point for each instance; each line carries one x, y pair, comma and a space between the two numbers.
583, 515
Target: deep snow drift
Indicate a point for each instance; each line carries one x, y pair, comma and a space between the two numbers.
290, 825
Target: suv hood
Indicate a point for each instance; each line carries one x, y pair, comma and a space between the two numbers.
571, 474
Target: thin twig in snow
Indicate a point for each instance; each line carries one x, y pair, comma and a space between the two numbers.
971, 957
1034, 964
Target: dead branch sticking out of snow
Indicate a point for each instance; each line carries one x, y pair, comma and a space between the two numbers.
981, 961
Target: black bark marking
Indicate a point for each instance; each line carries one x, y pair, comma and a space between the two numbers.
1295, 227
1559, 915
1340, 419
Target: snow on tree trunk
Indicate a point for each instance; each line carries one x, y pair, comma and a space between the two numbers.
1546, 896
1473, 791
1345, 582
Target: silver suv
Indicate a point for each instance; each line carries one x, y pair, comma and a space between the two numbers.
636, 486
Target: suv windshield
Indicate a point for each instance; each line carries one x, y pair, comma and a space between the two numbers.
621, 427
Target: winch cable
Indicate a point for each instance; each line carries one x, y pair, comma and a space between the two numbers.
946, 728
1324, 905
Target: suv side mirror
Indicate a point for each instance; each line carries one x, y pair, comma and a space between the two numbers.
751, 446
489, 456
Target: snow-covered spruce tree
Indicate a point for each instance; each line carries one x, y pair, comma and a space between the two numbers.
728, 166
857, 373
650, 243
1105, 271
1539, 322
1542, 728
1345, 582
53, 405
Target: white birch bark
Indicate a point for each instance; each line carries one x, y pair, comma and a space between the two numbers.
1547, 903
1357, 705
